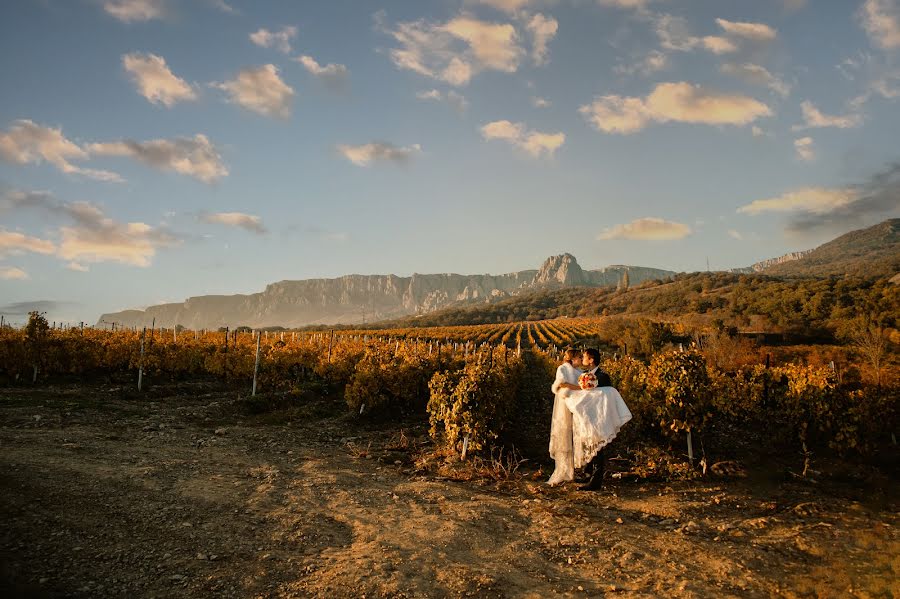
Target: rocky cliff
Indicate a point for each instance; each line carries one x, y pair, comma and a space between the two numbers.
366, 298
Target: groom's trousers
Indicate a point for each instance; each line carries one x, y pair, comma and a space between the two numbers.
596, 468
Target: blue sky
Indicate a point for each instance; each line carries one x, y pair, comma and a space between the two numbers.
152, 150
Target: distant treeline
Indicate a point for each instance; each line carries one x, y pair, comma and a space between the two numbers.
746, 301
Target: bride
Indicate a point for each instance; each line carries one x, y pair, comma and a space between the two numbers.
587, 414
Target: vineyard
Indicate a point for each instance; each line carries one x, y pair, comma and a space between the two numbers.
140, 463
469, 379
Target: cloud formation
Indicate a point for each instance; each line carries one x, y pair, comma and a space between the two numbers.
196, 157
542, 29
155, 81
27, 142
248, 222
454, 51
647, 229
14, 243
260, 90
653, 62
12, 273
815, 200
756, 75
91, 236
820, 210
535, 143
674, 34
804, 148
757, 32
881, 20
367, 154
813, 118
279, 40
133, 11
332, 75
680, 102
456, 100
508, 6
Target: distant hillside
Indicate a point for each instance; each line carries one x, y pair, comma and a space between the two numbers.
765, 264
866, 253
747, 301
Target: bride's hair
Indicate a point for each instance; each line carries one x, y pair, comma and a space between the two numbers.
570, 355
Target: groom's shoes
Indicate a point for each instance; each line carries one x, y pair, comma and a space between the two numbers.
596, 467
595, 483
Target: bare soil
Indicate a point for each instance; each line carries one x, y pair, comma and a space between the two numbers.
192, 491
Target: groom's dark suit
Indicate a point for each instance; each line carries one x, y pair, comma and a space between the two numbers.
597, 466
602, 378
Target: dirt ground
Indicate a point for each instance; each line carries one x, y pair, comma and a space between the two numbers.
184, 491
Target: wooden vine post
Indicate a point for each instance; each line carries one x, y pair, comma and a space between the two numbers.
141, 363
256, 364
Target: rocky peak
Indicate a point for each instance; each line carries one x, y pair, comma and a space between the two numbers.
562, 269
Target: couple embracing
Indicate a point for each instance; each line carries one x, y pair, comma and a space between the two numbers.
587, 414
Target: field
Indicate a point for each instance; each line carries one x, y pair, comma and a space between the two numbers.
343, 475
193, 490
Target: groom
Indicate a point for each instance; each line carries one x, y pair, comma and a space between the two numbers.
590, 359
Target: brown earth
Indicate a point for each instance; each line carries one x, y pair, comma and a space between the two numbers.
185, 492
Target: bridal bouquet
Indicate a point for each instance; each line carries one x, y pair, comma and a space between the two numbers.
587, 380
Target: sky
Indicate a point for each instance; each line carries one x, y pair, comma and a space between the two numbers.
153, 150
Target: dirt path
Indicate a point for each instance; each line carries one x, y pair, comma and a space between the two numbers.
107, 495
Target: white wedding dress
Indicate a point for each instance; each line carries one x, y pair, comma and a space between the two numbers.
583, 423
561, 448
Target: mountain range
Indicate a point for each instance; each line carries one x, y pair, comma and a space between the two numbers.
868, 253
354, 299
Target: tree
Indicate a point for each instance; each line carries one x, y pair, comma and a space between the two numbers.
36, 332
870, 340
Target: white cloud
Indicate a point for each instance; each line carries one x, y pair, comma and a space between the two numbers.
813, 118
681, 102
110, 241
542, 29
13, 242
454, 51
735, 234
507, 6
132, 11
758, 32
77, 267
534, 143
29, 143
261, 90
717, 44
628, 4
333, 75
249, 222
674, 34
757, 131
881, 20
366, 154
279, 40
653, 229
653, 62
155, 81
91, 236
805, 150
457, 101
11, 273
196, 157
757, 75
223, 6
815, 200
538, 102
